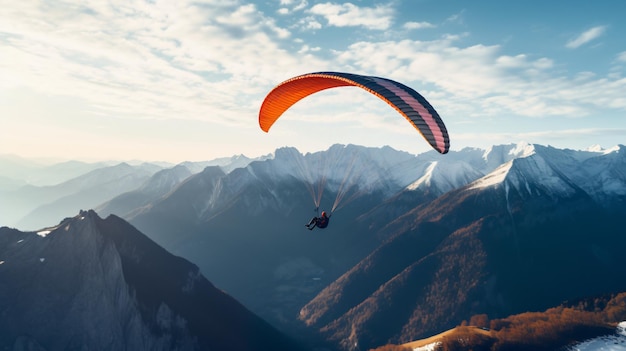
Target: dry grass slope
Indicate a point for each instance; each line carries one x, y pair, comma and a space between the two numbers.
549, 330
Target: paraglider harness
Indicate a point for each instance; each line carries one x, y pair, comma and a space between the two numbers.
319, 221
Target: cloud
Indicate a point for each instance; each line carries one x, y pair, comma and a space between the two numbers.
480, 81
586, 37
158, 60
418, 25
621, 56
350, 15
456, 18
302, 5
309, 23
306, 48
297, 7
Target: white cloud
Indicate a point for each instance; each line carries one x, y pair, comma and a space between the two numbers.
309, 23
350, 15
301, 6
285, 10
418, 25
479, 81
456, 18
586, 37
162, 60
621, 56
306, 48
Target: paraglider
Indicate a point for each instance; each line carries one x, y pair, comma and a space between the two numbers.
320, 222
408, 102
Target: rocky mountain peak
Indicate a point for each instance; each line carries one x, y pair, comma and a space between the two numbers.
100, 284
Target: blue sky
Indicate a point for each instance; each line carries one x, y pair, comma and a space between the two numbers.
183, 80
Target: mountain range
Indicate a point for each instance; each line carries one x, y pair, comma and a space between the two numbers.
416, 244
34, 194
529, 235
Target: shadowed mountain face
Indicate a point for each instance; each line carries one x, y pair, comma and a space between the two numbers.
97, 284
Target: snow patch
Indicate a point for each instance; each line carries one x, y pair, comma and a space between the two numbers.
44, 233
615, 342
493, 178
595, 148
426, 179
429, 347
615, 148
522, 149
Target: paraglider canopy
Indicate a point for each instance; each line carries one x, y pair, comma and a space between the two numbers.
408, 102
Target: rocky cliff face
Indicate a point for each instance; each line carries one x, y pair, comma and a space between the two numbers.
97, 284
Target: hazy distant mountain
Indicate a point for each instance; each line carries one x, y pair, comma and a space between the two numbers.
32, 207
40, 173
10, 184
160, 184
26, 185
18, 168
542, 228
164, 181
226, 163
95, 284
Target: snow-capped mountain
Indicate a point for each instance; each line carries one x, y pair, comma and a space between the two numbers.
441, 177
530, 234
562, 172
347, 165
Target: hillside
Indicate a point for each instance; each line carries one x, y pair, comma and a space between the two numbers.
598, 320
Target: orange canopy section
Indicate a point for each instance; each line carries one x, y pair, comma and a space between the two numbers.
405, 100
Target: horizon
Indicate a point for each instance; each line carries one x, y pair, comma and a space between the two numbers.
184, 81
49, 161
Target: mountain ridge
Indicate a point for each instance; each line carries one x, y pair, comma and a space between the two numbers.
101, 284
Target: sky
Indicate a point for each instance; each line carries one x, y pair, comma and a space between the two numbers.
183, 80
